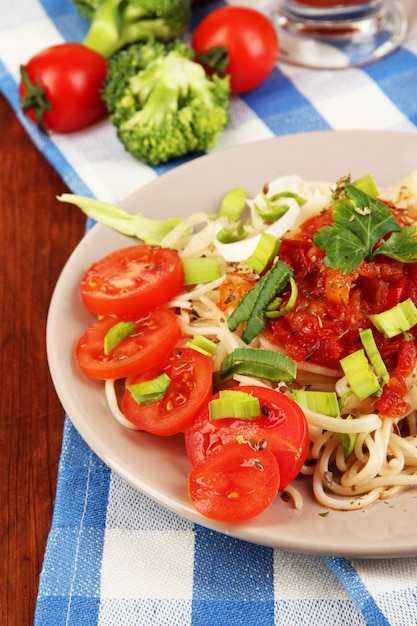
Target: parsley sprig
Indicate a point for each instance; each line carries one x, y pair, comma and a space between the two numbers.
359, 231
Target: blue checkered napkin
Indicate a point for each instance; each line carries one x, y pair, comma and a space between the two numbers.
116, 558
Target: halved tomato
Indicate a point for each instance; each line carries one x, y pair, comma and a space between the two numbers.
147, 345
282, 424
234, 483
132, 281
190, 388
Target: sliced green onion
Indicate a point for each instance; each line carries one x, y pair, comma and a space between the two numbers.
399, 319
203, 345
116, 334
150, 391
373, 353
266, 364
266, 249
251, 308
234, 404
271, 312
233, 204
359, 374
368, 185
324, 402
200, 270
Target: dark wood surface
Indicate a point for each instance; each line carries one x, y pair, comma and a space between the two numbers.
37, 235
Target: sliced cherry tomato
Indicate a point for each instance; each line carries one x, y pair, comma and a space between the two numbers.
190, 388
282, 424
60, 87
155, 335
250, 39
235, 483
132, 281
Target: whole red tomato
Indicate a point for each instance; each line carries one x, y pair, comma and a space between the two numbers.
60, 87
250, 39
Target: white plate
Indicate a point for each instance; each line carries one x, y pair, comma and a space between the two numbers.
157, 466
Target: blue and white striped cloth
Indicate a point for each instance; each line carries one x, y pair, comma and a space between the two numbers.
114, 557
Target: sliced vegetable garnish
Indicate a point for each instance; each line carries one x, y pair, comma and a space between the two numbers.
236, 404
367, 184
116, 334
359, 374
200, 270
324, 402
373, 354
251, 309
275, 310
149, 230
265, 251
261, 363
272, 210
202, 344
397, 320
150, 390
233, 204
348, 439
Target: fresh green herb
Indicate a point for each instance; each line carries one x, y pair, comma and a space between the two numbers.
360, 222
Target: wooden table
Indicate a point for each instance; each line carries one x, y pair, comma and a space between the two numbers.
37, 235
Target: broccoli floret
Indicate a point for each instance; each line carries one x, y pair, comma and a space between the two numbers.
117, 23
162, 103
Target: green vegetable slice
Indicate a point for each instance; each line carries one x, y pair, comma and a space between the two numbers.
203, 345
150, 391
251, 308
233, 204
324, 402
265, 251
274, 211
116, 334
200, 270
373, 353
397, 320
149, 230
348, 439
273, 309
266, 364
359, 374
234, 404
367, 184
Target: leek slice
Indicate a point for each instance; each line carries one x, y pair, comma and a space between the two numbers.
203, 345
234, 404
367, 184
200, 270
273, 312
150, 391
258, 362
396, 320
373, 353
265, 251
149, 230
251, 308
233, 204
324, 402
359, 374
116, 334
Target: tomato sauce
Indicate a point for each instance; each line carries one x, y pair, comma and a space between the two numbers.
332, 308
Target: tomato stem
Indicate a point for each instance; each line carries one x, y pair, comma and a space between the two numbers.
34, 99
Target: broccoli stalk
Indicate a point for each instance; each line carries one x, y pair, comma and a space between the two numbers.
116, 23
162, 103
